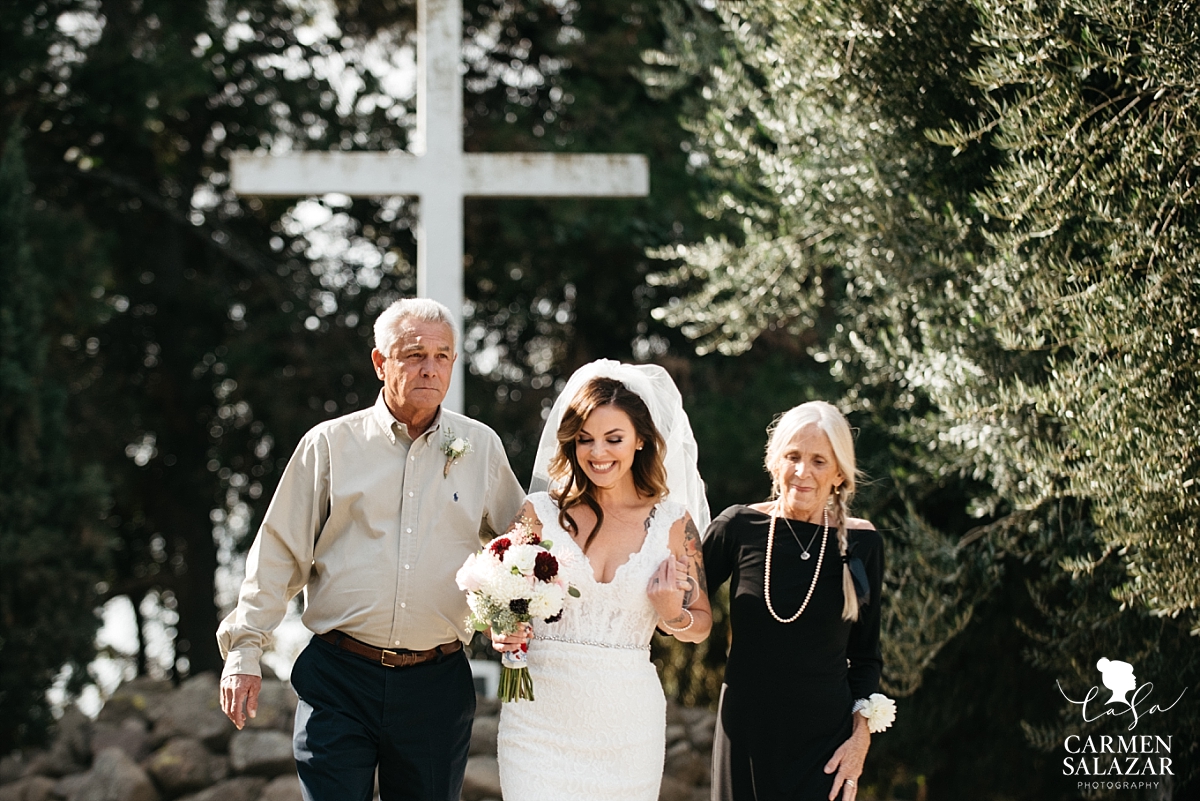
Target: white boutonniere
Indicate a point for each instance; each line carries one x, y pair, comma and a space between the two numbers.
455, 448
879, 710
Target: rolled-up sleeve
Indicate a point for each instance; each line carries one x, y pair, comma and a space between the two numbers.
281, 558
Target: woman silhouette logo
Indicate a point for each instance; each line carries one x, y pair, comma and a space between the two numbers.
1118, 677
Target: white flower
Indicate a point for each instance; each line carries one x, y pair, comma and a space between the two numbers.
468, 577
504, 587
522, 557
547, 600
455, 448
880, 712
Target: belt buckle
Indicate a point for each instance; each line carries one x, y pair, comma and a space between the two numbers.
405, 660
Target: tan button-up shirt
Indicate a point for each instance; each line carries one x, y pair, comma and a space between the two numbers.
368, 525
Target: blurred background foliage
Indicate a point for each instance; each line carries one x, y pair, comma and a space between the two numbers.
971, 225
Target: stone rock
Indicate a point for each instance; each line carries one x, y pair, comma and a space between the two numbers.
242, 788
184, 765
134, 699
70, 752
483, 736
284, 788
675, 713
31, 788
673, 789
689, 767
115, 777
129, 735
677, 748
194, 710
482, 779
676, 732
68, 786
691, 715
12, 767
701, 733
276, 707
261, 753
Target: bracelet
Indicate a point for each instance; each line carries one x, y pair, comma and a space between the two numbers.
691, 620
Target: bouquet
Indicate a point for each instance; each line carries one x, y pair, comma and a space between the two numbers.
511, 581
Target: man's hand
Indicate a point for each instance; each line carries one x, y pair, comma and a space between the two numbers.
239, 697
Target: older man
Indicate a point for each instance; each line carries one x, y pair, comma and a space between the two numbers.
373, 516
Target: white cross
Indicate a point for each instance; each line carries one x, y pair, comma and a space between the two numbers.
438, 172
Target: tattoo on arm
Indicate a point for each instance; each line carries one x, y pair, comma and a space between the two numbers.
695, 555
525, 517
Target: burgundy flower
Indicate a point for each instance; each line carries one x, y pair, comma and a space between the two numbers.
499, 546
545, 566
534, 538
555, 618
519, 606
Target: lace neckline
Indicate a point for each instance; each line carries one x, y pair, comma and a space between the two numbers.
591, 571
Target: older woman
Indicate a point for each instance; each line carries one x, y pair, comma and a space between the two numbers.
804, 606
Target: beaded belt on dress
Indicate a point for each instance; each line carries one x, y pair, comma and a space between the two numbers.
645, 647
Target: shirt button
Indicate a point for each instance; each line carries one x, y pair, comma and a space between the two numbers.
402, 606
410, 494
406, 567
409, 530
397, 642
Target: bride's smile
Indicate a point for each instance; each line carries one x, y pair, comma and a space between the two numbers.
606, 445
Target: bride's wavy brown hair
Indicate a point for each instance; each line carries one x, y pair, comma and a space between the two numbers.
649, 475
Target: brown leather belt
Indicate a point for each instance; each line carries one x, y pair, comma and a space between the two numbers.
382, 656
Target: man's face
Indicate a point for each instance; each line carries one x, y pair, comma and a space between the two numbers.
416, 374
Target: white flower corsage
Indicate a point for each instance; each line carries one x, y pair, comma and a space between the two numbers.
455, 448
879, 710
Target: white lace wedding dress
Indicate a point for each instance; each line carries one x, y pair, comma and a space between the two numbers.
596, 729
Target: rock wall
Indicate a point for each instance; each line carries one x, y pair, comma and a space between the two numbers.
156, 742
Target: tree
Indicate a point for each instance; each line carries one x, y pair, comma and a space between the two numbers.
232, 325
52, 552
1006, 303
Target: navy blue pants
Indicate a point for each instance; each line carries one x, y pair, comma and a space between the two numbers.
413, 723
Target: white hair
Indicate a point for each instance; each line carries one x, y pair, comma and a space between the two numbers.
387, 324
834, 425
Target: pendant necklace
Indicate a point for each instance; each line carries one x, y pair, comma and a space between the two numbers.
805, 555
816, 574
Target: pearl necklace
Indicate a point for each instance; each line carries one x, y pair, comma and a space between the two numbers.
816, 574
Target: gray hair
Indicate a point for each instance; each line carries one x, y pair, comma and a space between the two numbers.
833, 423
387, 325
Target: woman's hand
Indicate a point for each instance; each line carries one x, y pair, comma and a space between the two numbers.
666, 590
512, 642
848, 761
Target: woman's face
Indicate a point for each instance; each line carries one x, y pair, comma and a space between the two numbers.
1120, 681
806, 473
606, 445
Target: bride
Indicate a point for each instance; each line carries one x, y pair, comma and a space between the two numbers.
619, 460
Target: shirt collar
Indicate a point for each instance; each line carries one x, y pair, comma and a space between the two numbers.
393, 428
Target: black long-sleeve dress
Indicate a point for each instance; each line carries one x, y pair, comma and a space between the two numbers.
789, 688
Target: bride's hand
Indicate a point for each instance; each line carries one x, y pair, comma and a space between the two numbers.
512, 642
667, 586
